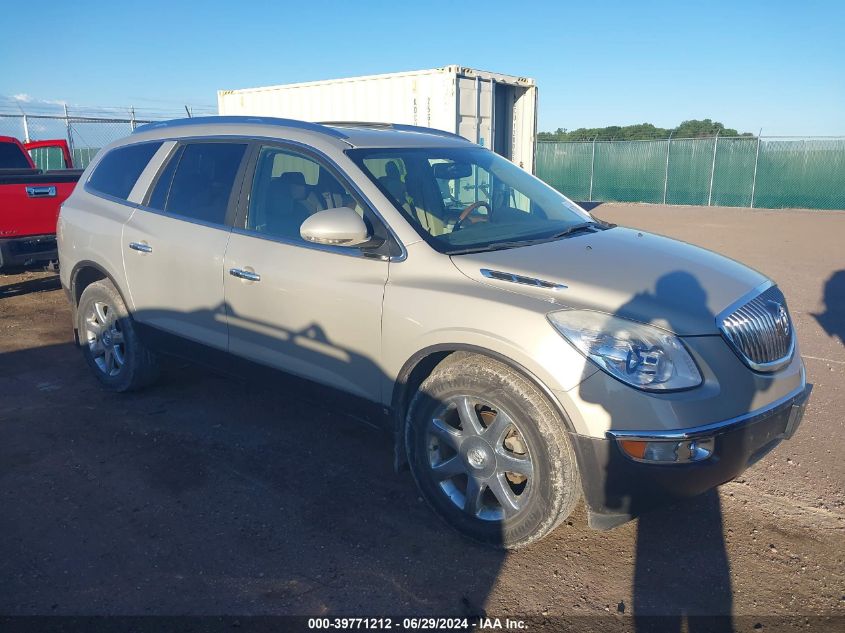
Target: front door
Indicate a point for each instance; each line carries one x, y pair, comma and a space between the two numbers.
173, 246
311, 310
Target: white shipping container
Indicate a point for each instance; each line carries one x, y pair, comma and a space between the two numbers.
493, 110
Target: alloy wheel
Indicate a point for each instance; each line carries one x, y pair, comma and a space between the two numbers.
105, 338
479, 458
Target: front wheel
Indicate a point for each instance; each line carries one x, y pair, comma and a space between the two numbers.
110, 345
489, 453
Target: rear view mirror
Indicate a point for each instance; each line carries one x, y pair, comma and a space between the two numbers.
452, 171
339, 227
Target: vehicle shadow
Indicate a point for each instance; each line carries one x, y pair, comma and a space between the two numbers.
681, 567
246, 492
18, 288
832, 319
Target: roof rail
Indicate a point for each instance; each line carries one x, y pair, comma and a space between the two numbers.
260, 120
399, 127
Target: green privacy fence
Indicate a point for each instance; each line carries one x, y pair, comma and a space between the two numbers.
744, 171
48, 158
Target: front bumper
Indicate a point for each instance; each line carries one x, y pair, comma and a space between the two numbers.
617, 488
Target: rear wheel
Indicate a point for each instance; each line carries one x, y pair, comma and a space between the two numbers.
110, 345
489, 453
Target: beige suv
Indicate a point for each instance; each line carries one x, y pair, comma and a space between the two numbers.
523, 352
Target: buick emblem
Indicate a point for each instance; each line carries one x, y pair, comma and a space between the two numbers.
476, 457
780, 316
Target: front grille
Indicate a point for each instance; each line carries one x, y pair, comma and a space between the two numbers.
761, 331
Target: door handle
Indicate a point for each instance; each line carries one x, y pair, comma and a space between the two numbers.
141, 247
244, 274
41, 192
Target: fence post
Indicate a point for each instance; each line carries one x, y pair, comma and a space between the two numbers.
666, 173
713, 169
592, 167
68, 132
25, 129
756, 158
132, 118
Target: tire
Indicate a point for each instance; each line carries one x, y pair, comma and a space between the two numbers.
109, 342
519, 430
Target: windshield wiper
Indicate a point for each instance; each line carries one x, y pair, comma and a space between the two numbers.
497, 246
574, 229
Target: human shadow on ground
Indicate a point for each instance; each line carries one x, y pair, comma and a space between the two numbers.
681, 566
832, 319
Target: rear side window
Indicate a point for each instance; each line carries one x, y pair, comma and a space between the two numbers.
118, 171
11, 157
197, 181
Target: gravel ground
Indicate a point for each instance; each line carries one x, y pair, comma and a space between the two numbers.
204, 495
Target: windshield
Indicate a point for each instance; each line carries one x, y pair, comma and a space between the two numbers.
469, 199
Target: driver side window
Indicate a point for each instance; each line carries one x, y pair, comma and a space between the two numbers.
287, 189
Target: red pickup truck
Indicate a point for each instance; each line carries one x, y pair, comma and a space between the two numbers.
30, 199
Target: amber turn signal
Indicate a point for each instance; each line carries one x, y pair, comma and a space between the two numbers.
633, 448
668, 451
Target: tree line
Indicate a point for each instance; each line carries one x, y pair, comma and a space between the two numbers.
642, 131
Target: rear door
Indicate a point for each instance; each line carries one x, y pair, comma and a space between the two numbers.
173, 245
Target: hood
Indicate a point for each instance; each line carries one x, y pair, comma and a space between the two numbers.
625, 272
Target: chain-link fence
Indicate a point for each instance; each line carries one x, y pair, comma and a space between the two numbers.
766, 172
773, 172
84, 135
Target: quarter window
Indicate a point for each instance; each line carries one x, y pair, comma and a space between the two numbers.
118, 171
197, 181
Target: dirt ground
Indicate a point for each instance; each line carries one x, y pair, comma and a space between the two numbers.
207, 495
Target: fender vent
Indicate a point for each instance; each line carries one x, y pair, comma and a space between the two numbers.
520, 279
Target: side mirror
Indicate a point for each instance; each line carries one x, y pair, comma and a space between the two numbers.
339, 227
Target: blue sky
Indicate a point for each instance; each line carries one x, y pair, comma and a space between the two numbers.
779, 66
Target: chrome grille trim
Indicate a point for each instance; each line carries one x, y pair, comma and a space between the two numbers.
762, 336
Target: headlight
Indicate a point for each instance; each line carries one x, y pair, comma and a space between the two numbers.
643, 356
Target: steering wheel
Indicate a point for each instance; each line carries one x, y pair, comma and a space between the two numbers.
469, 209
